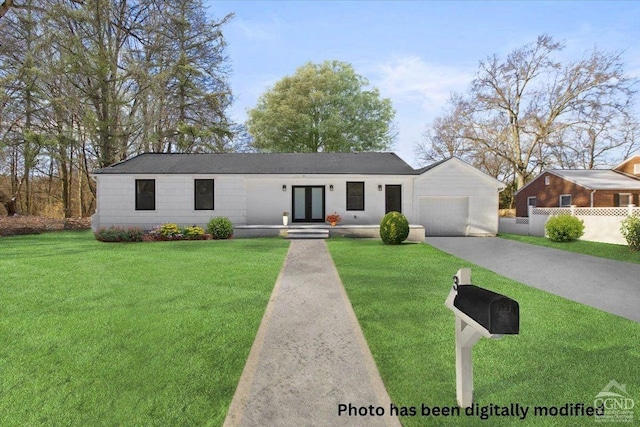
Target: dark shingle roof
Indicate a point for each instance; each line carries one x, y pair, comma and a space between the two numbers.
431, 166
263, 163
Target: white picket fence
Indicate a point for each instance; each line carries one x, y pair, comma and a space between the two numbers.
600, 224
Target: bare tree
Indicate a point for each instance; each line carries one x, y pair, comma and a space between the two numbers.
444, 139
589, 143
22, 101
86, 83
519, 109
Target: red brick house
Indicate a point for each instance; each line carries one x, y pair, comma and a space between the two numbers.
615, 187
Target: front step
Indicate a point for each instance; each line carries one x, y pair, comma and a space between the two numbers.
308, 233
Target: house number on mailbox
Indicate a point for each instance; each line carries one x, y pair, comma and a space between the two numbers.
479, 313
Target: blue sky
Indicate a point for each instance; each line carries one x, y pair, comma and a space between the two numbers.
415, 52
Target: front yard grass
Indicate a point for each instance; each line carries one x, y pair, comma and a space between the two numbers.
127, 334
602, 250
566, 352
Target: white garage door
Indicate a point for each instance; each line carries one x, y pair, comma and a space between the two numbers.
444, 216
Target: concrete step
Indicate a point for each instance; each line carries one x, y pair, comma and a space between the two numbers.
308, 233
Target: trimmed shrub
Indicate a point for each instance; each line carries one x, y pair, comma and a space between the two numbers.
193, 233
110, 234
169, 231
117, 234
630, 229
220, 228
394, 228
564, 228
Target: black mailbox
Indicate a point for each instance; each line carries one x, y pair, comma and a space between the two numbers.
496, 313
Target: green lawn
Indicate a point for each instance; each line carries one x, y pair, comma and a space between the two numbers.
603, 250
158, 333
565, 353
127, 334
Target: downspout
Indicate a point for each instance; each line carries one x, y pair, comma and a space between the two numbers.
592, 197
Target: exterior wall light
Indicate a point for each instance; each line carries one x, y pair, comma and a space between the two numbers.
284, 187
331, 187
379, 187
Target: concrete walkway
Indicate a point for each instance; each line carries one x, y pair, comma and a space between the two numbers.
309, 355
609, 285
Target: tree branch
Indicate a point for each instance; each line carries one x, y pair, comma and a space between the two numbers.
4, 8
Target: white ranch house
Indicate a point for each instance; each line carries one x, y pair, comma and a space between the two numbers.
448, 198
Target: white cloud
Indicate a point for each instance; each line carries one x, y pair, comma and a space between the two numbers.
419, 91
259, 31
409, 79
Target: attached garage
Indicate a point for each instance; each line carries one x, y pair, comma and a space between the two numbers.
448, 198
452, 198
444, 216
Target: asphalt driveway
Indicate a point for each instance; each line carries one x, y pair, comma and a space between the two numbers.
608, 285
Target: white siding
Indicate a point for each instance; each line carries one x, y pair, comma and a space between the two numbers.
444, 216
266, 201
245, 199
174, 201
260, 200
454, 178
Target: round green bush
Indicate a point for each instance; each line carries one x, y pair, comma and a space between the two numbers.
630, 229
394, 228
564, 228
220, 228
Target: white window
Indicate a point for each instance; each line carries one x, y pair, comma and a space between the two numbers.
565, 200
546, 180
532, 201
624, 199
636, 169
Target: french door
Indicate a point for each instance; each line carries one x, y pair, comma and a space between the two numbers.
308, 203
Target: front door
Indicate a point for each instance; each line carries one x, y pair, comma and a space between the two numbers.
393, 198
308, 203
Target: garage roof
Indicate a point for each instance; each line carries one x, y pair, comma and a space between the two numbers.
263, 163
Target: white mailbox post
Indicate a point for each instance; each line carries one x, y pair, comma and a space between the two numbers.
479, 313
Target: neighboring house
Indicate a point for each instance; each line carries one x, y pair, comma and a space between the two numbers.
448, 198
615, 187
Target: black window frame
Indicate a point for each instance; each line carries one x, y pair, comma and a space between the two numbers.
360, 200
203, 195
392, 203
308, 208
142, 201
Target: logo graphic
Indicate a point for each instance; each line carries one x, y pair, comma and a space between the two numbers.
616, 402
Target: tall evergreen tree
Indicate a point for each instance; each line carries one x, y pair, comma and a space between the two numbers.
183, 73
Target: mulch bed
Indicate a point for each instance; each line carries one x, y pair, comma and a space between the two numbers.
16, 225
